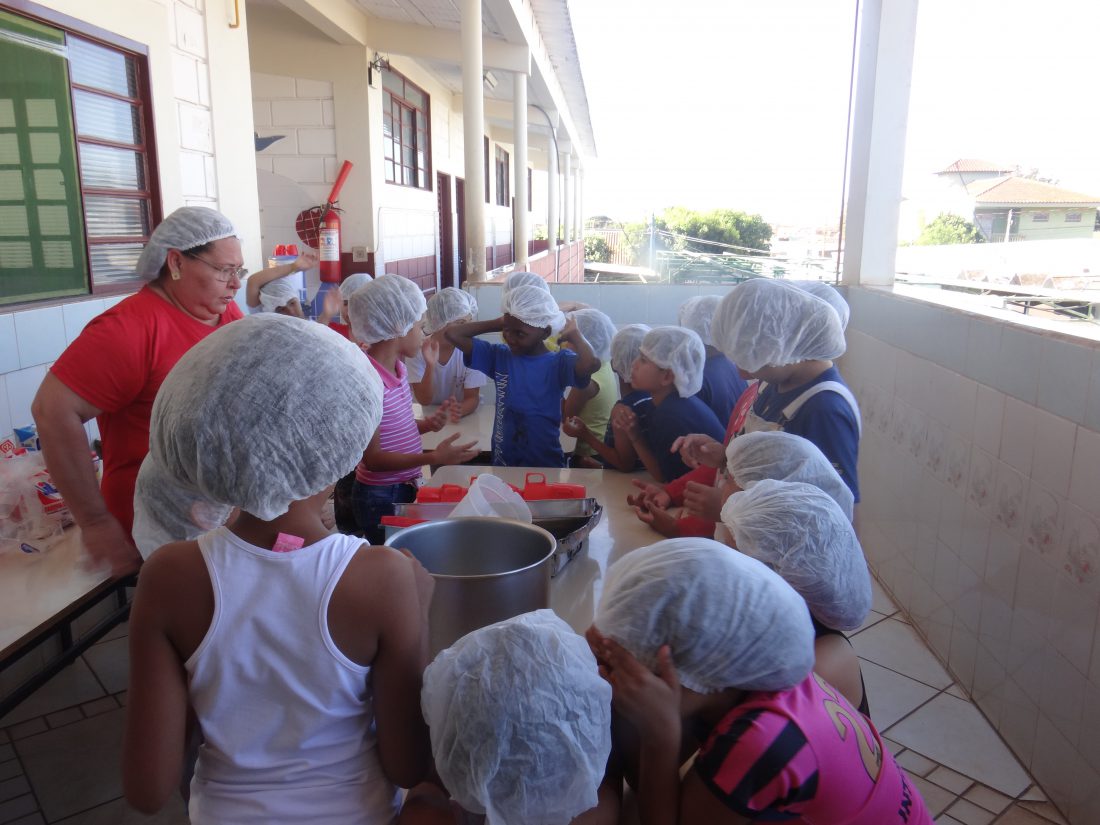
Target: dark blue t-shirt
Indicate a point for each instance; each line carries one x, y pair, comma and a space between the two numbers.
527, 423
826, 419
722, 385
642, 403
672, 418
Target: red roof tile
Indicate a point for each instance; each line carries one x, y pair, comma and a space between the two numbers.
1012, 189
975, 165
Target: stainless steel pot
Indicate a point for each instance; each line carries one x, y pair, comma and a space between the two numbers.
485, 569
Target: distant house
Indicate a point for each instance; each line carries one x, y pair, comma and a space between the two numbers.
1008, 207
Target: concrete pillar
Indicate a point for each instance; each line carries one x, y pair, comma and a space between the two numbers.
521, 224
473, 123
567, 220
578, 211
879, 121
552, 196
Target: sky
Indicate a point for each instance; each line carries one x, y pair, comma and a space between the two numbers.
743, 104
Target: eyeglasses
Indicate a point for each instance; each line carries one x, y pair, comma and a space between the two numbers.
225, 274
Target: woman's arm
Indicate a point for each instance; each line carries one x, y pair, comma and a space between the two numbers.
59, 413
462, 335
252, 284
156, 704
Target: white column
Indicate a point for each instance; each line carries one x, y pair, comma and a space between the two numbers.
567, 220
578, 211
473, 122
887, 34
521, 224
552, 196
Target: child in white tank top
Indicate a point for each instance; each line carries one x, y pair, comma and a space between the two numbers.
298, 652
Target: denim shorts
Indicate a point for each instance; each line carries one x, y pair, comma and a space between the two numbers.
370, 502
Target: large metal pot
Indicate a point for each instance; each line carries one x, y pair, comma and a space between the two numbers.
486, 570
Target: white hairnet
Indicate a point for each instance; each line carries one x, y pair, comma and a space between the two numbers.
830, 295
351, 283
781, 456
520, 721
680, 350
524, 279
472, 301
385, 308
597, 329
232, 422
165, 510
697, 313
625, 347
533, 306
767, 323
801, 533
729, 620
275, 294
186, 228
445, 307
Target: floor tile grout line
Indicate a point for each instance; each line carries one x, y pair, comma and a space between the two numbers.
906, 675
93, 807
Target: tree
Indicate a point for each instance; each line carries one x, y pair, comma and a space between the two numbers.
596, 249
949, 229
718, 226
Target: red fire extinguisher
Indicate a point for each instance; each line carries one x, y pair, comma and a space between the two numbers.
320, 228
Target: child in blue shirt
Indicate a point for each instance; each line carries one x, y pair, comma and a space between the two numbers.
670, 368
530, 380
722, 383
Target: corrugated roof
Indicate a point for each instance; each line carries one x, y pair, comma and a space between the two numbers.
1012, 189
975, 165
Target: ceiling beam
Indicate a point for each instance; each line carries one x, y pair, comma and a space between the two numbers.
408, 39
501, 110
339, 19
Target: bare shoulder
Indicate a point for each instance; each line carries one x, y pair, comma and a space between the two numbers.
164, 569
378, 573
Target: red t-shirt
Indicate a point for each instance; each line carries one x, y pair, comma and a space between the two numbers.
117, 364
343, 329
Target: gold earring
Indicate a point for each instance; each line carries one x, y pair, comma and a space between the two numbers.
175, 274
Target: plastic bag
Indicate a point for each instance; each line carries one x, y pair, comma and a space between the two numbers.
31, 510
489, 496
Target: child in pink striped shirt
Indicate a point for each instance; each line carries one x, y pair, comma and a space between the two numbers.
386, 317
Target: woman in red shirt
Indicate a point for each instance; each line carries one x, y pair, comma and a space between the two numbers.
112, 372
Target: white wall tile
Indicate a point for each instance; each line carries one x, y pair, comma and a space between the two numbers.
1044, 517
196, 128
983, 350
114, 299
1017, 371
1072, 623
193, 174
185, 77
989, 410
317, 141
302, 170
1084, 485
312, 88
271, 86
1052, 460
1092, 408
204, 83
41, 336
1065, 368
627, 303
1018, 434
261, 113
22, 387
5, 412
9, 344
296, 113
328, 113
77, 315
190, 32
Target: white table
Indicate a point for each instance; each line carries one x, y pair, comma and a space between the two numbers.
477, 426
575, 591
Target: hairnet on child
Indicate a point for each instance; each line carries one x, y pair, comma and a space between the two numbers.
781, 456
801, 533
597, 329
697, 314
186, 228
472, 301
232, 422
520, 721
524, 279
445, 307
728, 619
625, 347
165, 510
275, 294
830, 295
767, 323
351, 283
385, 308
680, 350
533, 306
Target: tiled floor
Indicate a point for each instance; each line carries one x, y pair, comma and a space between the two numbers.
60, 750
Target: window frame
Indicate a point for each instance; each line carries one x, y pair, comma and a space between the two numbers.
146, 149
1074, 216
502, 167
393, 104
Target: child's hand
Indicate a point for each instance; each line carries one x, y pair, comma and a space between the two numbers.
438, 420
574, 427
330, 307
703, 501
308, 260
568, 331
453, 408
650, 701
430, 350
447, 452
698, 449
660, 520
652, 496
624, 420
